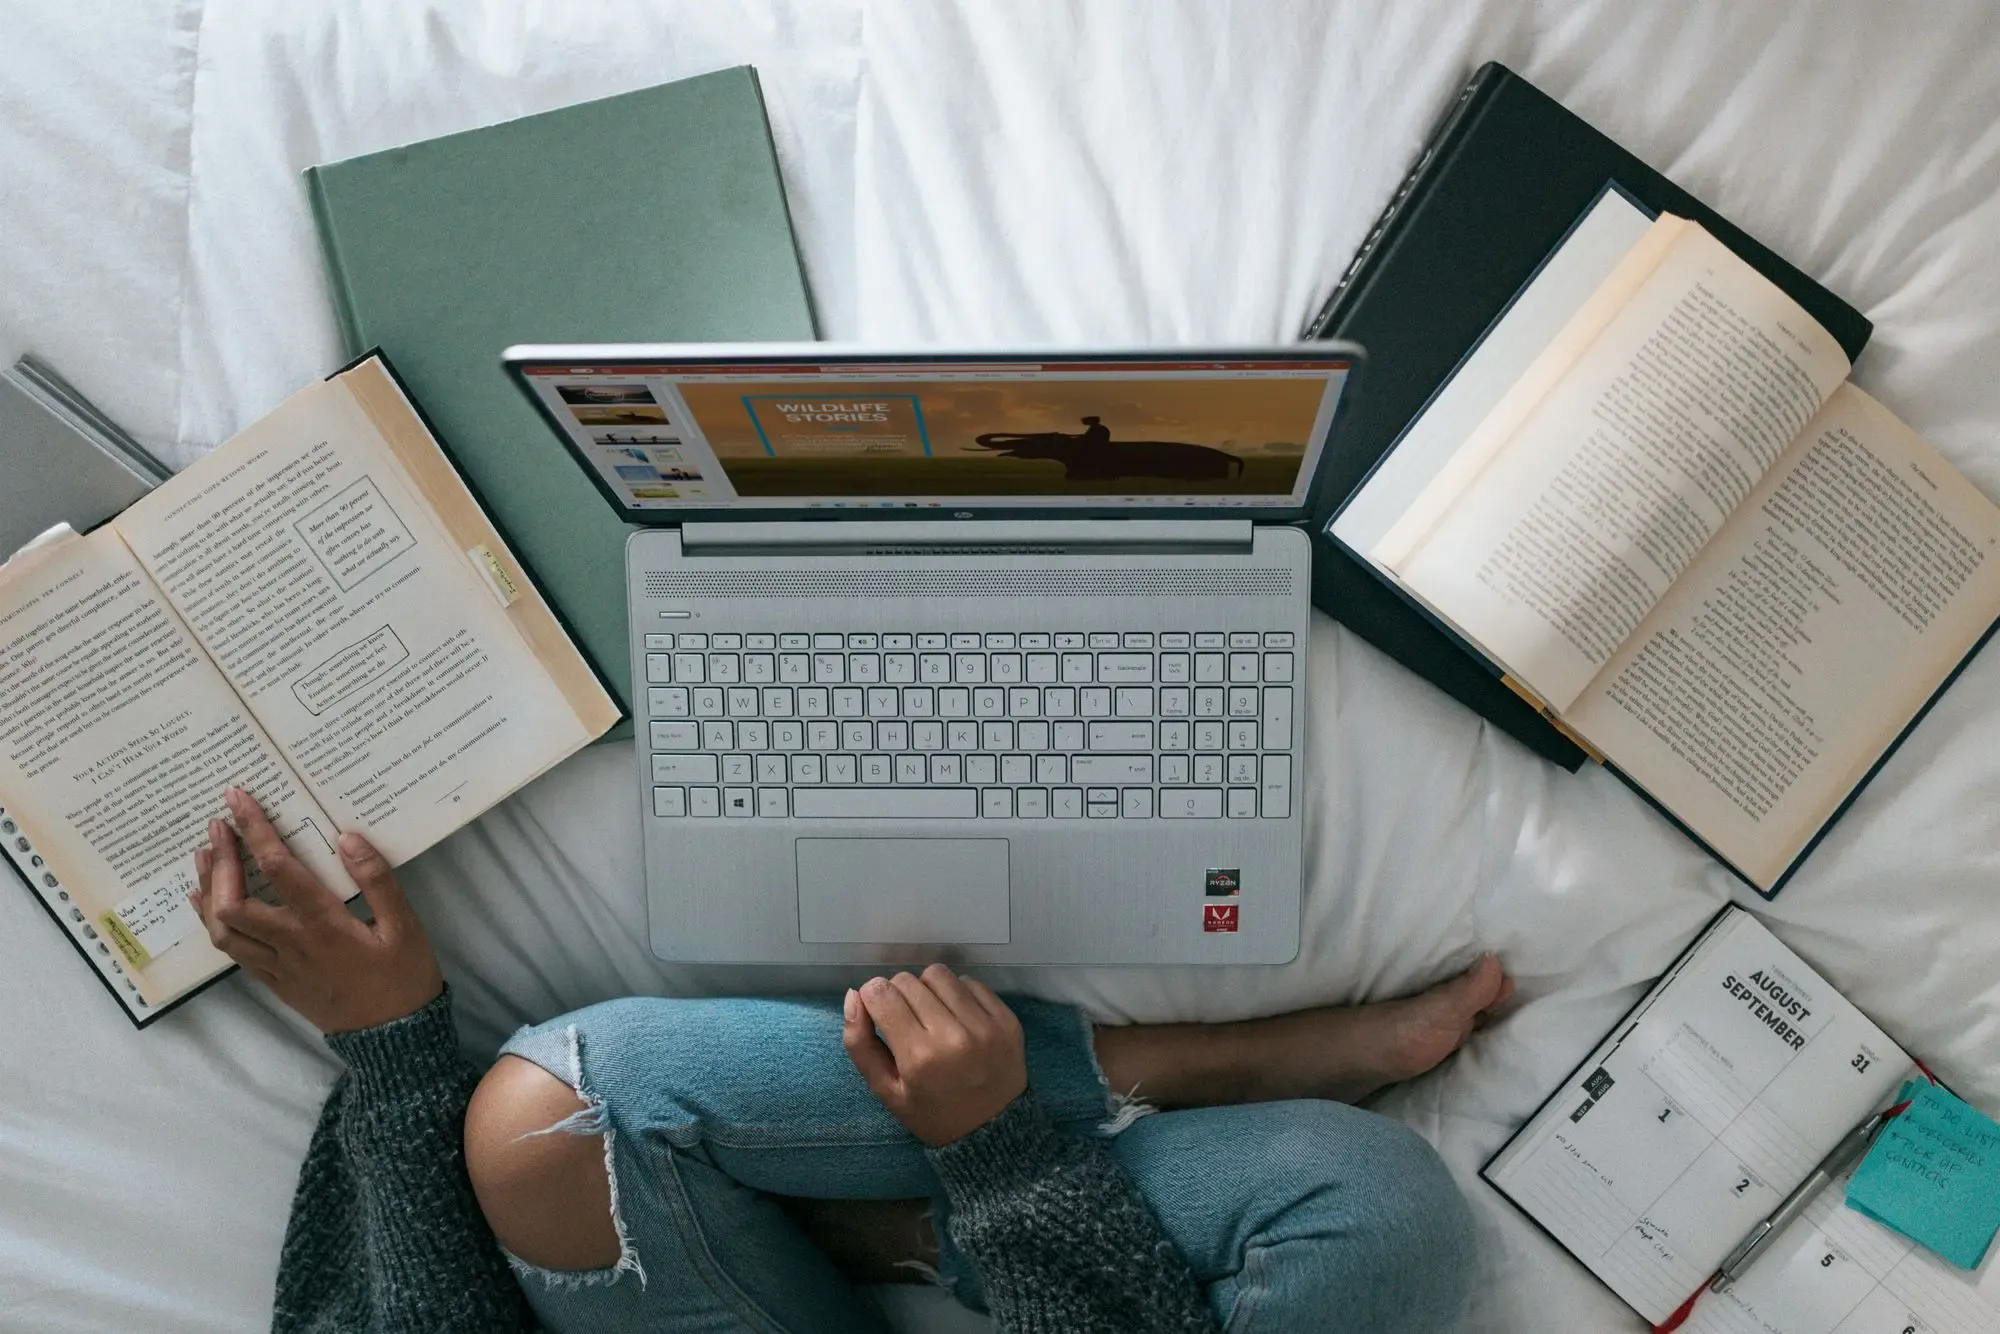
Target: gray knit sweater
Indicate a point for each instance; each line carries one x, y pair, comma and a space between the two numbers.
386, 1236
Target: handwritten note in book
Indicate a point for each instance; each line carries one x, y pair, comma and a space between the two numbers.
1934, 1176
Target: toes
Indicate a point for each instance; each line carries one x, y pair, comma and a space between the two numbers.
1489, 1008
1482, 985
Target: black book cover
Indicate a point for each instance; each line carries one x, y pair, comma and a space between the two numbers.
1504, 176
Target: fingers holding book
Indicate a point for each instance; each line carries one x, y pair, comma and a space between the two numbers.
296, 887
341, 973
245, 929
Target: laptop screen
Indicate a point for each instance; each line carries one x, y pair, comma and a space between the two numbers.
939, 433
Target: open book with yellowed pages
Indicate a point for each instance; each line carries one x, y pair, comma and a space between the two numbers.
1651, 498
317, 612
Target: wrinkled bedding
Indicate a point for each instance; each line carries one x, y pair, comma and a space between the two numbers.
1123, 171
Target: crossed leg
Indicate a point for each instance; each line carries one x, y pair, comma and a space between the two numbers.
548, 1196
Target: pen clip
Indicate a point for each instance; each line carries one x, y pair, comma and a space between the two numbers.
1740, 1257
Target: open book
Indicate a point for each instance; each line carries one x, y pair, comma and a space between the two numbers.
317, 612
1729, 1083
1651, 499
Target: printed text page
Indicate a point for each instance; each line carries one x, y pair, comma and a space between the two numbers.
1836, 601
362, 640
117, 737
1612, 485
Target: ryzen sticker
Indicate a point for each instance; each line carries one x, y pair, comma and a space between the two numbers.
1218, 917
1224, 884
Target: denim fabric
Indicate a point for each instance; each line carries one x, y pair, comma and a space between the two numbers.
1295, 1215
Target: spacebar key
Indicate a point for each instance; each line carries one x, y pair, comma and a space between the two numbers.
885, 803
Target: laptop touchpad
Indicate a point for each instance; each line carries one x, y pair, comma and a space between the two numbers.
903, 891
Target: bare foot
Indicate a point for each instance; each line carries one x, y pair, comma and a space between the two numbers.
1343, 1053
1356, 1050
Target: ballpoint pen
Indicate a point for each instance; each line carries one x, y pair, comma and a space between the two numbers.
1844, 1156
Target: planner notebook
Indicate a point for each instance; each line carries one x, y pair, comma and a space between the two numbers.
652, 216
1651, 499
317, 612
1717, 1095
1499, 183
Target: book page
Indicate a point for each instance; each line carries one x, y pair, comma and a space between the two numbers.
1861, 572
470, 530
1700, 1113
1571, 276
365, 642
117, 738
1519, 400
1601, 491
1835, 1271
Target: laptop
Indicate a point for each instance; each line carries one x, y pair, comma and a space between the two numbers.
995, 657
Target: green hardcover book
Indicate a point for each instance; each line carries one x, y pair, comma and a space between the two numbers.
652, 216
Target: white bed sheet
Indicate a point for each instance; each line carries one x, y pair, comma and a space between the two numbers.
1123, 170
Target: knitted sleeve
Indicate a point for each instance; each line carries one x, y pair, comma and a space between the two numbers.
385, 1233
1061, 1237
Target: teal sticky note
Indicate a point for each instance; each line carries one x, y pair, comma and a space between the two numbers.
1934, 1176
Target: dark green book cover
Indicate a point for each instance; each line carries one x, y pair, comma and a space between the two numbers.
652, 216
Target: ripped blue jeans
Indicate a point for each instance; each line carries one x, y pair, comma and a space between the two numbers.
1293, 1215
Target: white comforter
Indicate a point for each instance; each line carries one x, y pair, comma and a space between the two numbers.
1135, 172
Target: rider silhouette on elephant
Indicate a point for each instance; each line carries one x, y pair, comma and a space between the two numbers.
1092, 455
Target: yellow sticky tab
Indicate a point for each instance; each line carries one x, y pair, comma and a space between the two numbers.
497, 579
1534, 700
124, 941
1549, 717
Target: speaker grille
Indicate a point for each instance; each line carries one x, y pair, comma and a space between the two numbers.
720, 584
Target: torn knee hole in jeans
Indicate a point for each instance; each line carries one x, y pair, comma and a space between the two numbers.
590, 1119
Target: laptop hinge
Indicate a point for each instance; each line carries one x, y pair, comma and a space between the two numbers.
984, 535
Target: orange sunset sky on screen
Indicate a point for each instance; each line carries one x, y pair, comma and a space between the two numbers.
1243, 416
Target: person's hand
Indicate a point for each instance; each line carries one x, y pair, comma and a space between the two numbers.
949, 1057
341, 973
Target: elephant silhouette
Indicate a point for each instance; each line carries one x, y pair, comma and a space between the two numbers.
1092, 455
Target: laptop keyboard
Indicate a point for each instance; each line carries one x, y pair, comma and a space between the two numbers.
1007, 725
